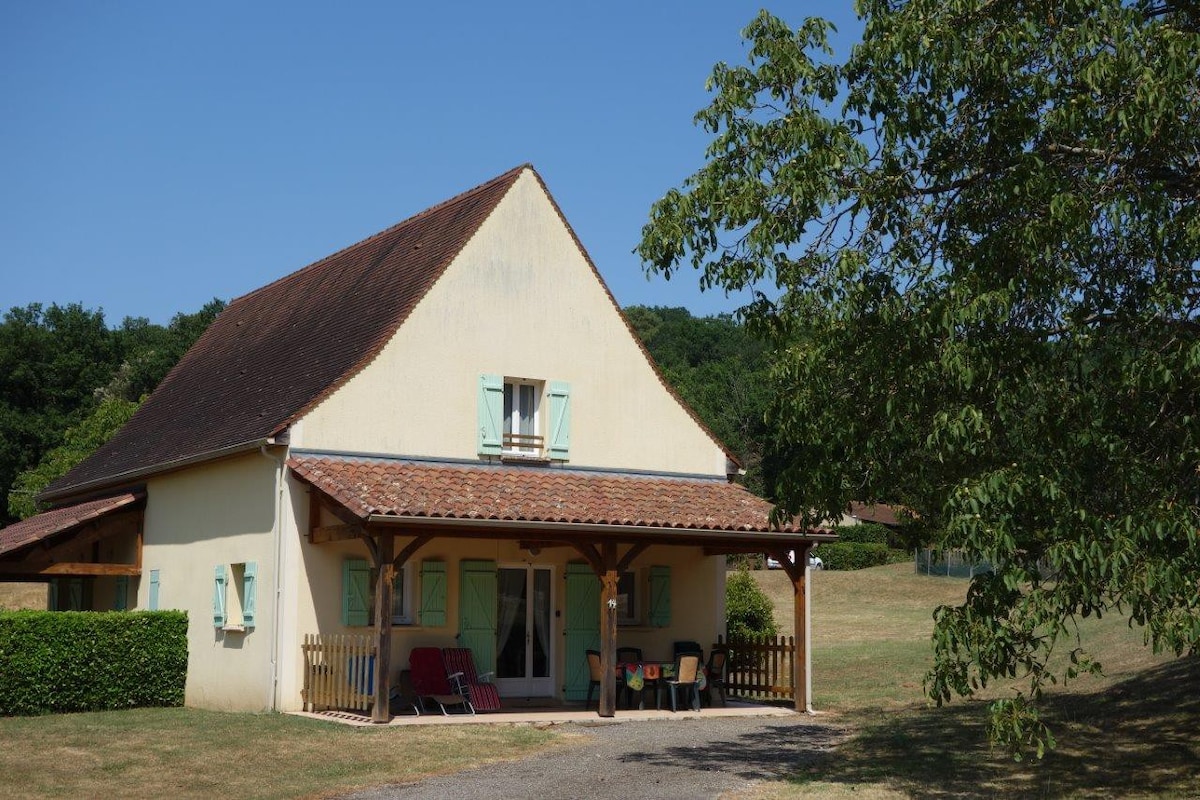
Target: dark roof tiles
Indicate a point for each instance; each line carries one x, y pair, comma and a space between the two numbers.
531, 494
276, 352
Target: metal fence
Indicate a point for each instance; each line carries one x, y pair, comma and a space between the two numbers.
948, 563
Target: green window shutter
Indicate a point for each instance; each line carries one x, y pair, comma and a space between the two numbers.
219, 596
660, 597
52, 604
433, 593
356, 592
249, 593
491, 413
153, 590
560, 420
477, 610
121, 594
75, 591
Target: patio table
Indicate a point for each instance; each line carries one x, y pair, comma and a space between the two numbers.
637, 674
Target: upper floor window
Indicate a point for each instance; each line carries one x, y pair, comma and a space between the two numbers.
521, 401
524, 418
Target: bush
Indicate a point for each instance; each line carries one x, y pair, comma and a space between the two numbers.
867, 533
859, 555
748, 610
56, 662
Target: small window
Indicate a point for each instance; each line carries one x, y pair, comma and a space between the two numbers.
401, 601
235, 596
627, 599
521, 427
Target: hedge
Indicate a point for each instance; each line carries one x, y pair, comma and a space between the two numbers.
859, 555
866, 533
64, 661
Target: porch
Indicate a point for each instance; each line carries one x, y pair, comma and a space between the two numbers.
596, 526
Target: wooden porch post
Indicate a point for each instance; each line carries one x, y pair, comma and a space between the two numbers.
799, 575
385, 572
608, 632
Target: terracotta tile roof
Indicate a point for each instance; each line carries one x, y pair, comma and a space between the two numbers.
276, 352
47, 524
406, 488
878, 512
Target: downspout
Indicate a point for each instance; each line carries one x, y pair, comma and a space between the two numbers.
277, 573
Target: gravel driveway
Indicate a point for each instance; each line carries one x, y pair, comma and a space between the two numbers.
690, 758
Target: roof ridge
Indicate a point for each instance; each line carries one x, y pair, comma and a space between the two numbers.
458, 198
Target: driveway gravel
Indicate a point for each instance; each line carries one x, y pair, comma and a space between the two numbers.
648, 759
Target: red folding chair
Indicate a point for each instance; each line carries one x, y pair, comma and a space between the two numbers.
482, 693
431, 681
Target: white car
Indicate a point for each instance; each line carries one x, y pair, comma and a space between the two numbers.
814, 562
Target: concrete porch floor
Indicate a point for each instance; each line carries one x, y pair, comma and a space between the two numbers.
541, 712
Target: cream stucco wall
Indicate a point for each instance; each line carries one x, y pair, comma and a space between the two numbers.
218, 513
519, 301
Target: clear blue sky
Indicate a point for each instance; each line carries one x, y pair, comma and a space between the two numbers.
154, 155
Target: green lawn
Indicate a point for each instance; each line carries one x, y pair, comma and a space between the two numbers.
1133, 732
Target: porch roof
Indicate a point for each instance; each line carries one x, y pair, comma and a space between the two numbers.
375, 489
59, 520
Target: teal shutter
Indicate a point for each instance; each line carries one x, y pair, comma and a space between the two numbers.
581, 628
121, 594
52, 605
219, 596
153, 590
560, 420
477, 612
249, 593
433, 593
75, 591
356, 592
660, 597
491, 414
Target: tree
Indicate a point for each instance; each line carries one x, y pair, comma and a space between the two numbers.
79, 442
987, 218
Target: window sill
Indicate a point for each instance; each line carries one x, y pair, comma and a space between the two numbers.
525, 458
233, 628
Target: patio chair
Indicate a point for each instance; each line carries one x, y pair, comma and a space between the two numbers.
718, 659
595, 675
687, 676
431, 681
679, 648
482, 693
629, 655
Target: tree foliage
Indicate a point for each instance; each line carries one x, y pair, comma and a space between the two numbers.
59, 368
719, 370
986, 219
748, 611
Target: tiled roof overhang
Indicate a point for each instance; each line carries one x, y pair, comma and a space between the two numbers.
541, 500
61, 520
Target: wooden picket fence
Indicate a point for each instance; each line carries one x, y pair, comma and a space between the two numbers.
760, 668
339, 672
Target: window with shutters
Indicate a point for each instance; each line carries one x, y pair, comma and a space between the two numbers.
522, 418
627, 599
235, 596
358, 594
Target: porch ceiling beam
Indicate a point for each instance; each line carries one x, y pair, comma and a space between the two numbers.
334, 533
630, 555
69, 568
592, 555
409, 549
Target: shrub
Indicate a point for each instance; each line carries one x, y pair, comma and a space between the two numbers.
55, 662
748, 610
867, 533
859, 555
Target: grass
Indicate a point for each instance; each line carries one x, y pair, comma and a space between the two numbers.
188, 753
1133, 732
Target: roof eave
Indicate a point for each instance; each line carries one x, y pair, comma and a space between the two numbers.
110, 481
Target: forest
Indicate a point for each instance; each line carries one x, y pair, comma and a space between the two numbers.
68, 382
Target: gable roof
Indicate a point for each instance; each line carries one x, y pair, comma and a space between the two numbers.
276, 352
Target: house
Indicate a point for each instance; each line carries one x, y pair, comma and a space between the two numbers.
445, 433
